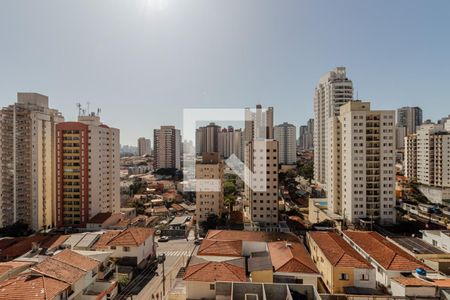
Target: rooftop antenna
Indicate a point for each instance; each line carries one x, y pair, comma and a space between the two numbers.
79, 109
99, 110
88, 104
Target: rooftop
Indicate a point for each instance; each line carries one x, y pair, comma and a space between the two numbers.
338, 252
253, 236
208, 271
220, 248
31, 287
100, 218
416, 245
132, 236
105, 238
385, 253
291, 258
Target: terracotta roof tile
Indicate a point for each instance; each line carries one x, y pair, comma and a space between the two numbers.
55, 241
104, 239
31, 287
255, 236
338, 252
387, 254
133, 236
11, 265
291, 258
100, 218
59, 270
215, 271
412, 281
76, 260
23, 246
6, 242
220, 248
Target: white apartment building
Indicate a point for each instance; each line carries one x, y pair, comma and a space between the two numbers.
144, 146
87, 170
428, 160
306, 136
286, 134
261, 160
167, 148
27, 152
209, 195
362, 184
333, 90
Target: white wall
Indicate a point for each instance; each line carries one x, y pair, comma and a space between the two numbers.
371, 283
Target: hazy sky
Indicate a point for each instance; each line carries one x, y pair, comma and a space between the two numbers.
143, 61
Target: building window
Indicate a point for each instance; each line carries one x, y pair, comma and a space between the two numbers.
126, 249
364, 277
343, 276
212, 287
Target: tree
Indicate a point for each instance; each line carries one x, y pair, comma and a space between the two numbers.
229, 188
211, 222
230, 201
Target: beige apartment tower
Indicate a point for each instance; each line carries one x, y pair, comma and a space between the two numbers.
167, 148
261, 160
209, 195
362, 165
144, 146
27, 151
333, 90
87, 170
286, 134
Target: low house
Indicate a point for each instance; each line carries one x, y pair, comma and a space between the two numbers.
389, 260
12, 268
292, 263
260, 267
218, 250
420, 287
340, 265
201, 276
134, 246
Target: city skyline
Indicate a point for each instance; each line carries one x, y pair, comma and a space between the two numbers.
137, 58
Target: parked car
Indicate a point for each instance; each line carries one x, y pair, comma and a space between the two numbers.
163, 239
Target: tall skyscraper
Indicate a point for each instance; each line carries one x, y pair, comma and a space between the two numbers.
208, 138
409, 117
258, 123
286, 134
408, 120
306, 136
261, 160
144, 146
167, 148
88, 170
209, 199
333, 90
27, 151
362, 168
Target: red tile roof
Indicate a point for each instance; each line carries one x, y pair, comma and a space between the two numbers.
133, 236
385, 253
100, 218
215, 271
55, 241
291, 258
412, 281
31, 287
23, 246
11, 265
338, 252
76, 260
7, 241
59, 270
254, 236
220, 248
104, 239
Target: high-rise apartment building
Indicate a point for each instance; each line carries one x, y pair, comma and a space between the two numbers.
333, 90
362, 168
261, 160
144, 146
408, 120
27, 152
87, 170
209, 198
286, 134
167, 148
258, 123
306, 136
230, 142
410, 165
208, 138
428, 160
